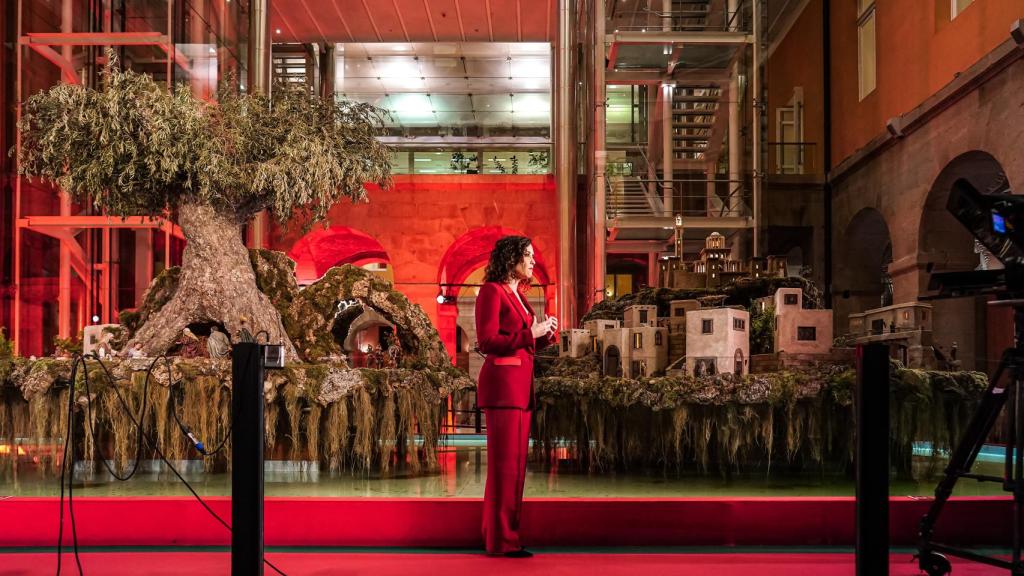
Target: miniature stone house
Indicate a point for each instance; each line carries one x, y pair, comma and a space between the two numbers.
597, 329
678, 309
640, 315
800, 330
905, 328
93, 335
635, 352
911, 316
717, 340
574, 343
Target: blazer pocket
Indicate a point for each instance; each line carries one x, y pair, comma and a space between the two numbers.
508, 361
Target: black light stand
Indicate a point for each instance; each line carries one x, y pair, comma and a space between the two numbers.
248, 362
872, 460
931, 559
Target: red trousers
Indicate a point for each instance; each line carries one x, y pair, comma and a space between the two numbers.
508, 439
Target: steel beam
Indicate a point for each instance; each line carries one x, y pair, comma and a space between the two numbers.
680, 75
689, 222
40, 223
94, 39
663, 37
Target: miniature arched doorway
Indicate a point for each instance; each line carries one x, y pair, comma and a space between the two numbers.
366, 337
322, 249
738, 362
862, 271
612, 361
945, 245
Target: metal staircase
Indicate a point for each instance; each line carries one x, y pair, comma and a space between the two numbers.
695, 120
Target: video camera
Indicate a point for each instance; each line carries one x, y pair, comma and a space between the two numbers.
997, 221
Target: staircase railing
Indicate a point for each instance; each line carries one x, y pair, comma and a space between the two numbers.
630, 196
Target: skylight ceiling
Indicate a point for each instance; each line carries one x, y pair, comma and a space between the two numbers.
450, 84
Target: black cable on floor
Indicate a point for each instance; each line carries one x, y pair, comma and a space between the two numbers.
142, 436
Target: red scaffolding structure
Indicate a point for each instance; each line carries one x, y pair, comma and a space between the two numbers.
99, 297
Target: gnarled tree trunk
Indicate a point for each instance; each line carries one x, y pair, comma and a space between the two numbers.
216, 284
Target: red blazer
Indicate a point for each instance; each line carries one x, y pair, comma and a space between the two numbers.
503, 334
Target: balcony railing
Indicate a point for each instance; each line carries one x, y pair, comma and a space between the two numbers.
691, 197
689, 16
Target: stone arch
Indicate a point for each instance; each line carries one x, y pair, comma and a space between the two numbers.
861, 265
945, 245
612, 361
322, 249
466, 256
470, 251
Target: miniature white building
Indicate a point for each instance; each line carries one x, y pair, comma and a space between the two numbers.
640, 315
799, 330
717, 341
92, 337
905, 328
635, 352
574, 343
678, 309
597, 329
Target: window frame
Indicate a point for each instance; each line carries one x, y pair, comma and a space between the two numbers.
789, 161
866, 15
955, 10
813, 331
707, 326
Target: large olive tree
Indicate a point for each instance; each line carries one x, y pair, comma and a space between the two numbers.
134, 148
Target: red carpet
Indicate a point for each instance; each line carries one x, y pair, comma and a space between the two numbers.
455, 522
454, 564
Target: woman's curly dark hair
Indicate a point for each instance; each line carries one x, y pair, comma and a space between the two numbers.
508, 252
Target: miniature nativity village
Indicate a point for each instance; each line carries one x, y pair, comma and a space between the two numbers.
727, 202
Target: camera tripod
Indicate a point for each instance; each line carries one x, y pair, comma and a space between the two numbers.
932, 555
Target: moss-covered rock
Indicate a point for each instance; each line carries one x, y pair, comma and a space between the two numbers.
730, 422
321, 412
159, 292
275, 277
313, 313
308, 315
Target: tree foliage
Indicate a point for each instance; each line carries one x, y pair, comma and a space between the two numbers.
135, 148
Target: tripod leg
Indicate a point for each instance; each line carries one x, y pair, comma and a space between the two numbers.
1013, 482
966, 452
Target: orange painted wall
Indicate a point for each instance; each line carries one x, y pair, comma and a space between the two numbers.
919, 50
420, 217
797, 62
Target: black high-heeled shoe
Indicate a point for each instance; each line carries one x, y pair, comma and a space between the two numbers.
521, 553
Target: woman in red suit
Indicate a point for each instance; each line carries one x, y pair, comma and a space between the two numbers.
509, 333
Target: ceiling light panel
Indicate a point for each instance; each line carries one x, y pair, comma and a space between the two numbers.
457, 85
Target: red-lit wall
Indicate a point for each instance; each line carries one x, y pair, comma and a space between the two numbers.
796, 61
919, 50
420, 218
